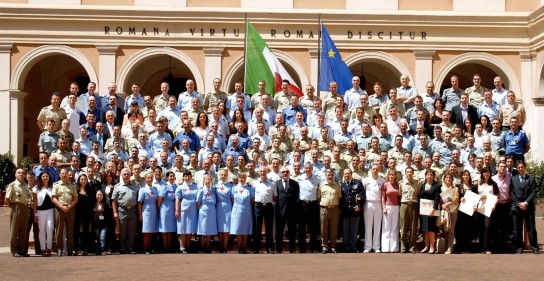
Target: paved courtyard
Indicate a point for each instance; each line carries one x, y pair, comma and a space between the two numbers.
266, 267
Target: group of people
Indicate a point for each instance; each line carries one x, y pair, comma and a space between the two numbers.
219, 167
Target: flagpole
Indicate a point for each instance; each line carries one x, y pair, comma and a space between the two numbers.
245, 48
318, 53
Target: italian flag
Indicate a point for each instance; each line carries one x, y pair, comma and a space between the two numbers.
262, 64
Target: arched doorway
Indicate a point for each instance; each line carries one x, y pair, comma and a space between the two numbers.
468, 64
51, 74
152, 66
465, 73
375, 67
41, 72
152, 71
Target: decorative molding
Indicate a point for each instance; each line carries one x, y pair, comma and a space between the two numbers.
107, 49
527, 55
314, 52
424, 54
538, 101
5, 47
30, 59
17, 95
213, 51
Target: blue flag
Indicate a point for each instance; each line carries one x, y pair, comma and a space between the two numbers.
332, 67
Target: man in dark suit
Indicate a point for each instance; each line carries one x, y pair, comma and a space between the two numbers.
286, 209
463, 111
522, 192
102, 135
118, 112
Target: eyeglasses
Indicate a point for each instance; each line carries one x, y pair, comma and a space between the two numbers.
283, 172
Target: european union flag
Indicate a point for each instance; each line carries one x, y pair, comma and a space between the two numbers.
332, 67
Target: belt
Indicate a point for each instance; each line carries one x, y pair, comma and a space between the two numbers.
126, 207
329, 207
408, 203
263, 204
504, 201
308, 201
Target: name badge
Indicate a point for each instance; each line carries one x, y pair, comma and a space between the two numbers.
101, 217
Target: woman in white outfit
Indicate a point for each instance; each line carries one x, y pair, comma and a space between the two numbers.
391, 212
45, 212
373, 209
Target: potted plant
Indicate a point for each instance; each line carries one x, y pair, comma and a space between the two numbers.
7, 174
535, 168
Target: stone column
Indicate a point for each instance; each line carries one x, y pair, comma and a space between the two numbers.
15, 123
314, 73
212, 68
424, 69
5, 80
532, 102
106, 66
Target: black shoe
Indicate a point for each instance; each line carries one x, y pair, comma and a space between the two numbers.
85, 253
536, 251
70, 254
519, 251
133, 252
324, 251
334, 251
25, 255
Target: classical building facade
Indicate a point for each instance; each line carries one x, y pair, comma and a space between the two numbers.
44, 47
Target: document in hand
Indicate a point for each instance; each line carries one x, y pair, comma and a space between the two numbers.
486, 205
471, 200
426, 206
447, 196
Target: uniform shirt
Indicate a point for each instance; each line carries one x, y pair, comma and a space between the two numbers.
290, 112
373, 188
252, 126
64, 192
62, 157
234, 152
363, 141
491, 110
192, 137
384, 109
407, 92
342, 138
355, 127
508, 111
155, 140
179, 174
256, 100
282, 100
329, 102
308, 187
375, 101
18, 192
352, 98
425, 152
475, 96
515, 143
409, 191
74, 115
329, 194
126, 194
308, 103
48, 113
83, 101
213, 99
265, 191
185, 100
496, 140
428, 101
451, 98
204, 152
128, 100
499, 96
172, 115
160, 102
48, 141
231, 101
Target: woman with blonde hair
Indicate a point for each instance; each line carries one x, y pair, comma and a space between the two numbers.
391, 213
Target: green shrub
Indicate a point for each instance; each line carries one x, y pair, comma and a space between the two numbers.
7, 170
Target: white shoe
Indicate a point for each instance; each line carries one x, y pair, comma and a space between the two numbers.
366, 251
377, 251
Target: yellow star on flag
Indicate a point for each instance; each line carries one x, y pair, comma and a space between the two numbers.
331, 53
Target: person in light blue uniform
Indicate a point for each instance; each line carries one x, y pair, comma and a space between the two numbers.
241, 221
186, 211
223, 208
167, 214
147, 207
207, 217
